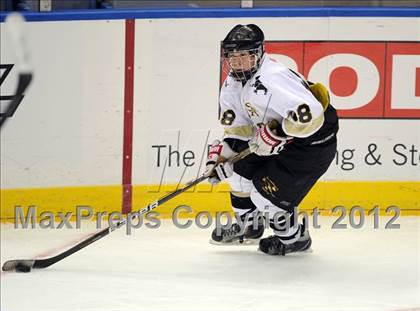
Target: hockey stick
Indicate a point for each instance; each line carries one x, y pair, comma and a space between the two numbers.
25, 265
24, 80
15, 25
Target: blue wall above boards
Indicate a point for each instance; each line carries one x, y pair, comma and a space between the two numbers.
219, 13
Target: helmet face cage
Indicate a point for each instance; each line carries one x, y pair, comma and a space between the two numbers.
242, 51
241, 64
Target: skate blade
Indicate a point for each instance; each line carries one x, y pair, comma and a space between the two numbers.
245, 242
309, 250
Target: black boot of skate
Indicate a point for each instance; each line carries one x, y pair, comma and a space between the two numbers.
274, 246
234, 234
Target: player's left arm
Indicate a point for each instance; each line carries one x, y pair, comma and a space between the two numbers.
303, 120
304, 113
307, 116
300, 121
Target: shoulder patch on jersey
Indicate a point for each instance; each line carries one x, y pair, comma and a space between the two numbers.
321, 93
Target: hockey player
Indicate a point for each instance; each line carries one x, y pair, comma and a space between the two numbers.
290, 127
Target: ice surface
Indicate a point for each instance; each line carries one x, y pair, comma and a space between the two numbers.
173, 269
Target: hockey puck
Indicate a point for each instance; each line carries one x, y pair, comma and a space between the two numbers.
22, 268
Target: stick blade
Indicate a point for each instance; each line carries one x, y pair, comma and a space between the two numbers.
11, 265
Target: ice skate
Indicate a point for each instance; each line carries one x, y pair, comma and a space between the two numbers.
234, 236
274, 246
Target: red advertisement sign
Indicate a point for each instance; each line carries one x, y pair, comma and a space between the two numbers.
365, 79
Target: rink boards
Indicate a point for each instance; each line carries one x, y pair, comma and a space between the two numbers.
91, 128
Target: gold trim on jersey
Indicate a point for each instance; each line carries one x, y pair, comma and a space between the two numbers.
244, 130
241, 194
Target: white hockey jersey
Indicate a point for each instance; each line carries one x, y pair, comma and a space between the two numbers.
274, 92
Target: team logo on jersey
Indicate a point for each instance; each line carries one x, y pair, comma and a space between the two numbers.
269, 186
252, 112
259, 86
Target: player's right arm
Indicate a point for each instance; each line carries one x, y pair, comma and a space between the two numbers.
238, 129
237, 132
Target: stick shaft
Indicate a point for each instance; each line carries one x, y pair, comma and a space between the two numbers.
43, 263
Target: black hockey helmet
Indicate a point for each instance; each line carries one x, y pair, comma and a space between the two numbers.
244, 38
